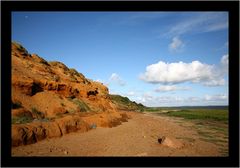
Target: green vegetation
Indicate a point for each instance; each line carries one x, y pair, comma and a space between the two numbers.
19, 47
186, 138
82, 106
209, 114
71, 97
38, 114
210, 124
124, 103
21, 120
74, 72
59, 64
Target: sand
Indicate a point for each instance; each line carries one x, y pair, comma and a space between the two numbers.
137, 137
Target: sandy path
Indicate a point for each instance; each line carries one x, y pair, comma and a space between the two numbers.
137, 137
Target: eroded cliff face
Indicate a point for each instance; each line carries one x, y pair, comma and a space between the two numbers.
50, 100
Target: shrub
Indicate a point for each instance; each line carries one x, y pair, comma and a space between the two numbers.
73, 79
42, 61
124, 103
71, 97
59, 64
82, 106
19, 47
38, 114
74, 72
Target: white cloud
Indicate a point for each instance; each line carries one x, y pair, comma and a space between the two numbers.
217, 97
195, 72
176, 45
200, 22
168, 88
116, 78
224, 62
157, 101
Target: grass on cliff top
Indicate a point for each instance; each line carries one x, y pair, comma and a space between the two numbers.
125, 104
19, 46
205, 114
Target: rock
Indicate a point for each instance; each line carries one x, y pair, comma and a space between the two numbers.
47, 89
170, 142
21, 112
17, 135
160, 140
59, 111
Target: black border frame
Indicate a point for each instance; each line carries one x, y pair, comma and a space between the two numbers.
230, 6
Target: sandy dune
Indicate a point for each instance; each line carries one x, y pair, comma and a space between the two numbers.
137, 137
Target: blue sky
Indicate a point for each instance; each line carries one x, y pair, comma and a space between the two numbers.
154, 58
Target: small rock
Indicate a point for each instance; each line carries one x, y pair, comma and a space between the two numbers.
160, 140
65, 152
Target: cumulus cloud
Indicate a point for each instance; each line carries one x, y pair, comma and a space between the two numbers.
116, 78
179, 72
168, 88
176, 45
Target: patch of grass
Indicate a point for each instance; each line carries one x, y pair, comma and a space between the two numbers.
224, 152
158, 109
186, 138
74, 72
38, 114
152, 109
19, 47
73, 79
59, 64
205, 114
124, 103
21, 120
205, 134
219, 129
71, 97
212, 140
82, 106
